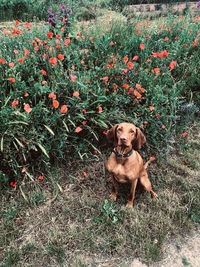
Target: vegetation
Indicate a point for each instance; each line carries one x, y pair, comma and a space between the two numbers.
63, 84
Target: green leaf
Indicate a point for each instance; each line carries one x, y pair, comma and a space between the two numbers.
43, 149
19, 142
49, 129
2, 144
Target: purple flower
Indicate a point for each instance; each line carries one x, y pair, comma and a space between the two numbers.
70, 11
49, 10
198, 4
63, 7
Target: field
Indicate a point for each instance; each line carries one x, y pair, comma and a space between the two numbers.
63, 85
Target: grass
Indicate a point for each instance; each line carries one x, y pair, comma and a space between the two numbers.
82, 228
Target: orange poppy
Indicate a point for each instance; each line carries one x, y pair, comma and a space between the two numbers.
78, 129
55, 103
135, 58
142, 46
76, 94
100, 109
53, 61
11, 64
15, 103
130, 65
125, 59
50, 34
137, 94
61, 57
172, 65
11, 79
156, 70
27, 108
63, 109
2, 61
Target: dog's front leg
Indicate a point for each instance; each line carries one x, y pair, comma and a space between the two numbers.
132, 194
113, 195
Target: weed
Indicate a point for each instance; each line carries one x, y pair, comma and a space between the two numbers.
185, 262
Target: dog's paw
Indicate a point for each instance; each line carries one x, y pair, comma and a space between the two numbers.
113, 196
129, 204
154, 195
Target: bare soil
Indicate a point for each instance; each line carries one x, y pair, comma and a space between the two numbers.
183, 251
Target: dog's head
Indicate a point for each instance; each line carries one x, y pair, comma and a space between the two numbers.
127, 135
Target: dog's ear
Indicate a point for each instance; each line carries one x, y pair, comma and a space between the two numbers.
112, 134
140, 139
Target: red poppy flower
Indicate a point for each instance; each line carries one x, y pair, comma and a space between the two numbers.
24, 169
21, 60
125, 59
76, 94
26, 94
61, 57
151, 108
125, 86
67, 41
27, 108
184, 135
78, 129
63, 109
137, 94
13, 184
137, 86
11, 64
17, 22
130, 65
164, 53
11, 79
85, 174
172, 65
53, 61
26, 51
15, 103
156, 70
41, 177
135, 58
2, 61
100, 109
111, 43
105, 78
43, 72
142, 46
50, 34
55, 103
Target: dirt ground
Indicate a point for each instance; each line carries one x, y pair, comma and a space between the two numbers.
179, 252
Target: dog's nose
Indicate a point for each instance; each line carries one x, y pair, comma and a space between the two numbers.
123, 139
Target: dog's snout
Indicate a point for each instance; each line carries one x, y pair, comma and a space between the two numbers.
123, 139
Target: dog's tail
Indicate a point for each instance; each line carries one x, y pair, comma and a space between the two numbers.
150, 160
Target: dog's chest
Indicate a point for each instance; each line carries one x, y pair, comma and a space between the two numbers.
121, 170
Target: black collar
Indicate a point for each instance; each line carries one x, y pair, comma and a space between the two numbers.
120, 155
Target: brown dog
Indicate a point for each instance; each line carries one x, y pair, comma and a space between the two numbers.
125, 164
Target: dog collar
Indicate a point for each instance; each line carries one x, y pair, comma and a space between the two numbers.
120, 155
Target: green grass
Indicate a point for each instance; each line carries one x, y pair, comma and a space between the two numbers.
81, 227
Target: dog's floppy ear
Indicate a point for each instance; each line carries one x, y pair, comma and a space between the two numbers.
140, 139
112, 135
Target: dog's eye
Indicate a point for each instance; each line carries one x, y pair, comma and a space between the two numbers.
119, 129
131, 131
